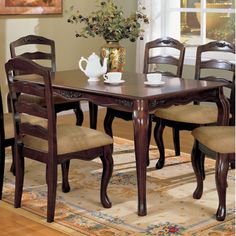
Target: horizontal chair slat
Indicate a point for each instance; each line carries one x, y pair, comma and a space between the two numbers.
163, 60
31, 109
216, 64
28, 88
34, 130
37, 55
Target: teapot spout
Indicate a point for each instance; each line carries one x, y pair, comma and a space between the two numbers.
104, 66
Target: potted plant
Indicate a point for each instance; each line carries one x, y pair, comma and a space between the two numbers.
110, 23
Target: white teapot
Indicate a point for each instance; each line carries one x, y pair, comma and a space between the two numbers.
93, 68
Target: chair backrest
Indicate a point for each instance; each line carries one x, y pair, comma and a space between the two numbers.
44, 50
221, 70
168, 59
23, 84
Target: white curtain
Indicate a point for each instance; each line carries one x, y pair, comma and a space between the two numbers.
153, 9
141, 43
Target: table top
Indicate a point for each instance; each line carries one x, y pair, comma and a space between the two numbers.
133, 87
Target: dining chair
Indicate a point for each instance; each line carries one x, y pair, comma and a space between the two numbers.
48, 142
6, 139
162, 61
191, 116
217, 142
43, 51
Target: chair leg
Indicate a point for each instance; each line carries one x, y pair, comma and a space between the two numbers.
108, 122
52, 189
13, 168
93, 113
149, 138
79, 115
107, 162
196, 163
19, 160
222, 166
232, 165
176, 141
158, 135
202, 159
65, 173
2, 166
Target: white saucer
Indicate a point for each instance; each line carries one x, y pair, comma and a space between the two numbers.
112, 82
154, 84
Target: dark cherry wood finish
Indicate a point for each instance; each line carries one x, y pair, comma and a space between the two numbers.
201, 66
221, 170
44, 55
140, 100
149, 60
48, 132
4, 142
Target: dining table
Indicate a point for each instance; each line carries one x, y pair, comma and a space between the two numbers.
141, 99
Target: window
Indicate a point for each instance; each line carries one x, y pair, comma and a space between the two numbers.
193, 22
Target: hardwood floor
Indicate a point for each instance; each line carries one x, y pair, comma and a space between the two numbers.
12, 221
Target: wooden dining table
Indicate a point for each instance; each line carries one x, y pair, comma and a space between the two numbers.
140, 99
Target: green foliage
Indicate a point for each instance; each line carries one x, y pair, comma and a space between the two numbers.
110, 23
224, 32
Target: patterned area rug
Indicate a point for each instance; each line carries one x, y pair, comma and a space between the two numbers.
171, 208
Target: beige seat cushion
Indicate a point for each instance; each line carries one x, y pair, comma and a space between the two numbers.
196, 114
217, 138
71, 138
9, 125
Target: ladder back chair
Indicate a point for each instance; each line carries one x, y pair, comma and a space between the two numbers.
44, 54
191, 116
46, 141
176, 68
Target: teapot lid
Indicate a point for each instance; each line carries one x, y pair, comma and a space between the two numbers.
93, 56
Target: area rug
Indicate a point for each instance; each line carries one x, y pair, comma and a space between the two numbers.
170, 206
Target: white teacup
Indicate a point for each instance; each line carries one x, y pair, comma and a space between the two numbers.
154, 77
113, 77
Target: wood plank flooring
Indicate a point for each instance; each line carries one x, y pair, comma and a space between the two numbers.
12, 221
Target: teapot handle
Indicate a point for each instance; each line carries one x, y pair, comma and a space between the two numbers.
80, 63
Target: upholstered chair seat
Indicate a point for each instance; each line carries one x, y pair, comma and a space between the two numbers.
70, 139
219, 139
189, 113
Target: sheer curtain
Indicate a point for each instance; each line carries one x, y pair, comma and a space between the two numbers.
152, 30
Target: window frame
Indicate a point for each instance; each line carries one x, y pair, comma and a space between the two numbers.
165, 30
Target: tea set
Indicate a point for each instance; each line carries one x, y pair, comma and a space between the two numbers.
93, 70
